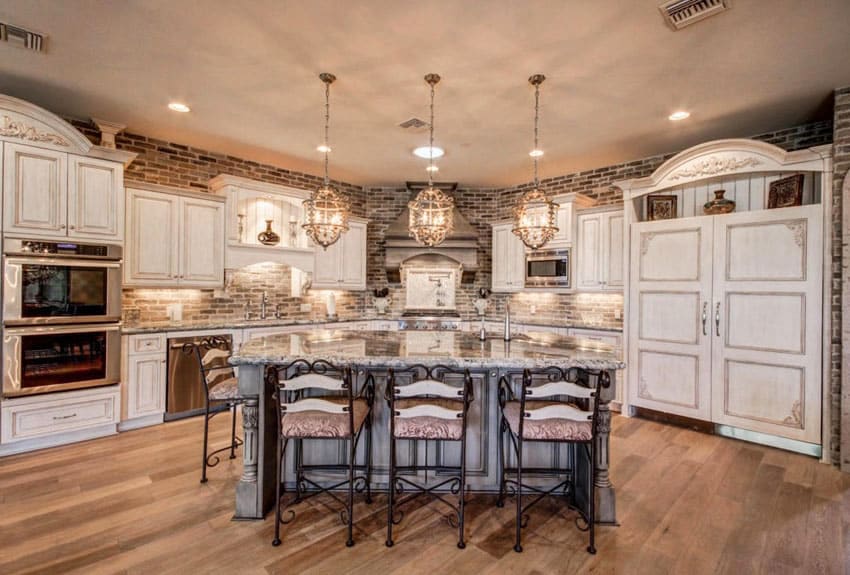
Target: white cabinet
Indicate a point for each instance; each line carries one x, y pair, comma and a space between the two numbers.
599, 250
173, 240
508, 268
54, 194
343, 264
568, 204
95, 199
143, 381
35, 191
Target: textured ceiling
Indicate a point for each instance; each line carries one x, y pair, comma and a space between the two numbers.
249, 72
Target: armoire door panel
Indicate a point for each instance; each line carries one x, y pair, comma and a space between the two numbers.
763, 321
766, 251
670, 316
764, 394
661, 255
669, 378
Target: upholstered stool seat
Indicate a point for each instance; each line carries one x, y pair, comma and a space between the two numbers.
551, 428
321, 424
429, 427
223, 390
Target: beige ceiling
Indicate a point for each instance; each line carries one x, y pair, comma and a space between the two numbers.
249, 71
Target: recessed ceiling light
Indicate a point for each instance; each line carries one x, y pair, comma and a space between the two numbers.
324, 148
535, 153
179, 107
426, 152
679, 115
432, 169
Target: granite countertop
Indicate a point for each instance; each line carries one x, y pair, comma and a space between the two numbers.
453, 349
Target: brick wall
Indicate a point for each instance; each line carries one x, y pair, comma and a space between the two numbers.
840, 359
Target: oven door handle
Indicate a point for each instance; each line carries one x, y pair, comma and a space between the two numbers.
60, 329
57, 262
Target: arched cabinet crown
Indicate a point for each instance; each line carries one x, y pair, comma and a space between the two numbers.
26, 123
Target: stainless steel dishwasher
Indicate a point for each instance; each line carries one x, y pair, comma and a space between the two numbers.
185, 392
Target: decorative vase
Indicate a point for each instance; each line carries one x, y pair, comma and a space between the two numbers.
719, 205
268, 237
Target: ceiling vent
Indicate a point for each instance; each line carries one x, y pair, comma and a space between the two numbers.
681, 13
21, 38
413, 124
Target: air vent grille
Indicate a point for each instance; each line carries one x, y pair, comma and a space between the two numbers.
413, 124
681, 13
21, 38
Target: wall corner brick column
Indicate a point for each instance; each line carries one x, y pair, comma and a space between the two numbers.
840, 368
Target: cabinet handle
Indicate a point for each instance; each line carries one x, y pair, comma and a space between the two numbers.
704, 316
60, 417
717, 319
62, 227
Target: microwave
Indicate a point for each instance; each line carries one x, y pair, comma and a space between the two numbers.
548, 268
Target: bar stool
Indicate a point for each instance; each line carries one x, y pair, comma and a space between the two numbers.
427, 408
561, 409
221, 392
316, 400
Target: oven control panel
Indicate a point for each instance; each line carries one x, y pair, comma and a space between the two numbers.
19, 247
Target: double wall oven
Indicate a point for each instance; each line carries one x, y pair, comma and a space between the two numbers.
61, 316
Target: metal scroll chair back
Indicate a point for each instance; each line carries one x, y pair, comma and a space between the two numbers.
213, 354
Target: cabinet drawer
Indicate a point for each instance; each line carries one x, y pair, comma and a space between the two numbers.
38, 419
608, 338
147, 343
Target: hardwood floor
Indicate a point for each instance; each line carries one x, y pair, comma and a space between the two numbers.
687, 502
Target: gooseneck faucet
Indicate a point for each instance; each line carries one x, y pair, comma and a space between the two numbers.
507, 321
263, 302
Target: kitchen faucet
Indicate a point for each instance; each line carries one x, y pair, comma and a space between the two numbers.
263, 301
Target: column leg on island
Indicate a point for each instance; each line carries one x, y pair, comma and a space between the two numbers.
605, 501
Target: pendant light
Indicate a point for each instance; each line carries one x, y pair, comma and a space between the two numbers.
535, 216
326, 212
431, 212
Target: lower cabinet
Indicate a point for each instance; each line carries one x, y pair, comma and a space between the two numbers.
144, 380
39, 421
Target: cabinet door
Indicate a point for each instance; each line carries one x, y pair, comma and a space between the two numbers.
35, 183
612, 252
669, 354
151, 255
328, 265
766, 321
146, 385
589, 256
95, 199
564, 235
353, 264
508, 265
202, 243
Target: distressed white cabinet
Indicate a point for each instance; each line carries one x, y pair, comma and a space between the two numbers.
508, 271
599, 251
173, 240
568, 204
35, 191
343, 265
95, 199
144, 380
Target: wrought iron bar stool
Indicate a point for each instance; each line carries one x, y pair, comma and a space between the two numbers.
427, 408
316, 400
221, 392
554, 406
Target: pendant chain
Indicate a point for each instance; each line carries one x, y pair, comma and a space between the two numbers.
536, 119
431, 141
327, 121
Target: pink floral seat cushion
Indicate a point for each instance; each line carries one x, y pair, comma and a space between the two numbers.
225, 389
315, 423
554, 429
428, 427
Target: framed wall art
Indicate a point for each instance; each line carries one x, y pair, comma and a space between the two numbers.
661, 207
786, 192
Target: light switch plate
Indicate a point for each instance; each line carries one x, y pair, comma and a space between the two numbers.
306, 307
618, 313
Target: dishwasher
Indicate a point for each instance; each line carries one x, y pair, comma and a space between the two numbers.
185, 392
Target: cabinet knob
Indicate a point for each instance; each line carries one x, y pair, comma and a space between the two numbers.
72, 227
62, 227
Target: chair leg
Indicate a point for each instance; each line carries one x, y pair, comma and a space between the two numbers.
369, 460
206, 439
591, 548
500, 501
462, 495
351, 454
518, 543
233, 432
391, 493
278, 482
299, 472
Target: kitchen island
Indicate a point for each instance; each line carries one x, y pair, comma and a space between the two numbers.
377, 351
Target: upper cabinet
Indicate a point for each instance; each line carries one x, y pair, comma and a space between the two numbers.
343, 264
508, 260
599, 250
568, 205
56, 184
174, 239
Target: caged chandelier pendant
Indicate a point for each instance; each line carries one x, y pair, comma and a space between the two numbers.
535, 216
431, 212
326, 212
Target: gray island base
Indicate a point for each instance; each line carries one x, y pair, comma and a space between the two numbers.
376, 352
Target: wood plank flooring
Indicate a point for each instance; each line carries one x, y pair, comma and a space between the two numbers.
687, 502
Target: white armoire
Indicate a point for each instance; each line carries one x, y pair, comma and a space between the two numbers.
727, 316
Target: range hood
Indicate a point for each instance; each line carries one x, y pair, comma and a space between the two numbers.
459, 248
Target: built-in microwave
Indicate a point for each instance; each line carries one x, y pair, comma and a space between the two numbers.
548, 268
